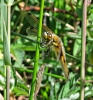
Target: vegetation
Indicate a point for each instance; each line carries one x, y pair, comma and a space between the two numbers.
19, 62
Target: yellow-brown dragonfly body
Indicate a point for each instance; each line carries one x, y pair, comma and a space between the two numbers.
56, 43
51, 40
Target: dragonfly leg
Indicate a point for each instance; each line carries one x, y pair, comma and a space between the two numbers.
46, 53
47, 44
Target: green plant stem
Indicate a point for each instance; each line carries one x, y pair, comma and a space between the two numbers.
1, 14
78, 59
3, 11
37, 52
48, 74
84, 17
8, 23
24, 37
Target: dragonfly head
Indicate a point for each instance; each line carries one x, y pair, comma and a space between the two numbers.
47, 35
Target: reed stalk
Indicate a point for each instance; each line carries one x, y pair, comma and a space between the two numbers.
84, 17
37, 52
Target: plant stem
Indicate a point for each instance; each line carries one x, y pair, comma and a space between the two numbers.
37, 52
45, 73
8, 81
8, 23
8, 66
83, 48
2, 13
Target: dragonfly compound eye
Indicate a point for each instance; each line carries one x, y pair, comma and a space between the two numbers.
45, 35
49, 36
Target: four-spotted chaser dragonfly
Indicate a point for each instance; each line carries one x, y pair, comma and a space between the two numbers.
49, 39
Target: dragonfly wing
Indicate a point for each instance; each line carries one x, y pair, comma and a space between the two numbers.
32, 33
33, 21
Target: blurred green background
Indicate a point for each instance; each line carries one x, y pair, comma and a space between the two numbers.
64, 18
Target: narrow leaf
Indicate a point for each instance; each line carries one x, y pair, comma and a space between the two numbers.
7, 58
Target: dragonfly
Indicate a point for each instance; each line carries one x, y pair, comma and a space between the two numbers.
49, 39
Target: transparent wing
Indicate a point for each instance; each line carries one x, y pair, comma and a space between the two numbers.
35, 22
32, 33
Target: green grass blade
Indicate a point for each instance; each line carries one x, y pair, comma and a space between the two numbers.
7, 58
